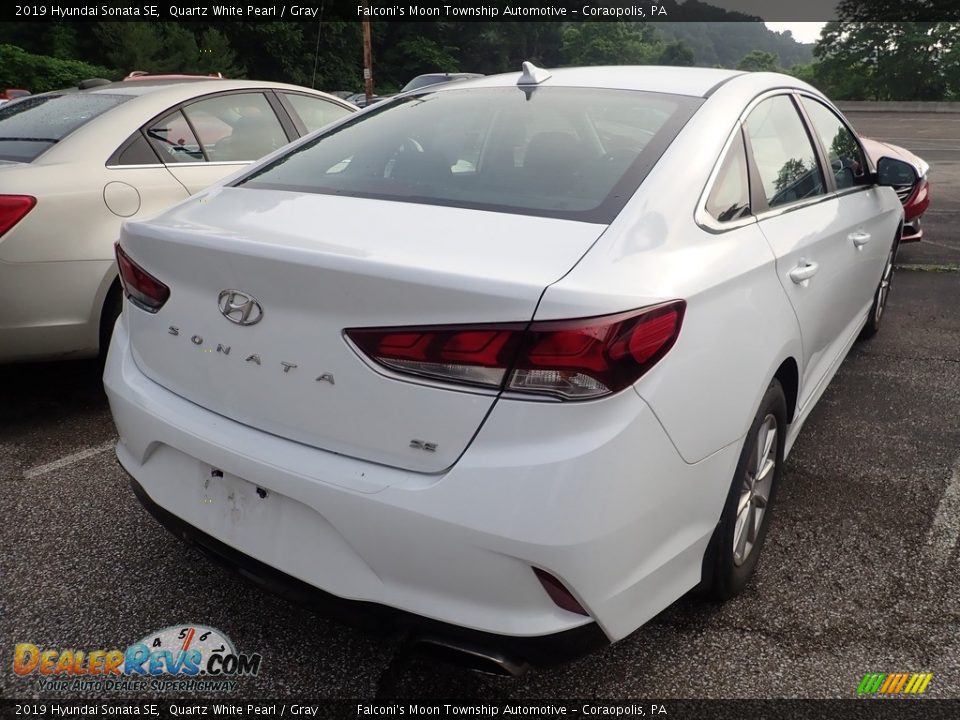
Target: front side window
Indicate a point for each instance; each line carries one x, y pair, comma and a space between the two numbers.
729, 198
846, 158
315, 112
560, 152
783, 153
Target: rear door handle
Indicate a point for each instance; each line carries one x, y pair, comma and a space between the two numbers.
859, 238
804, 271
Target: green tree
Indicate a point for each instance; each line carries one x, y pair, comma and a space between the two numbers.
130, 45
886, 60
677, 53
759, 61
216, 55
609, 43
40, 73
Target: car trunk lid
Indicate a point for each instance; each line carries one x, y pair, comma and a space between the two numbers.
316, 265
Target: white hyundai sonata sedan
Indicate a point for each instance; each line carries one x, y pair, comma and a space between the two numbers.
516, 361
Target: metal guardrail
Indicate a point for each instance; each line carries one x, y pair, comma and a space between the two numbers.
903, 107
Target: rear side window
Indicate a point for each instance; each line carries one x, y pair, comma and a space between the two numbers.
34, 124
559, 152
846, 158
173, 139
783, 153
729, 198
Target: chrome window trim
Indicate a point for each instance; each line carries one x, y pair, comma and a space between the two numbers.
184, 164
707, 222
795, 205
701, 215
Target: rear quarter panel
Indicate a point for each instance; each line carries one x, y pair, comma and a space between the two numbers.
738, 327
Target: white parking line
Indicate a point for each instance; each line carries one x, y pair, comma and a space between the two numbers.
945, 530
69, 460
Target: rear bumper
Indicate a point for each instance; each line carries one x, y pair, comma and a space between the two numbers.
912, 231
513, 652
593, 493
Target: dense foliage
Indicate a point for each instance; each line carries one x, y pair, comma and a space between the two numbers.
852, 60
328, 54
39, 73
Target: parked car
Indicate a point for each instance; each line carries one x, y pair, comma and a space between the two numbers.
13, 94
360, 99
75, 164
422, 81
913, 188
545, 388
144, 75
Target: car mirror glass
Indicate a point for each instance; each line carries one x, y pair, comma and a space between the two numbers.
892, 172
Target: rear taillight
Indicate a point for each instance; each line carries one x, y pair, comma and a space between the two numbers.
13, 208
142, 288
571, 359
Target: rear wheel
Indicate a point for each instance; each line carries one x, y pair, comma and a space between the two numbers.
736, 543
880, 297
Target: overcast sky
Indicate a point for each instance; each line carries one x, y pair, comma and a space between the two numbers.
784, 11
805, 32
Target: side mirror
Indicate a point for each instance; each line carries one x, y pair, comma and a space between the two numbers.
892, 172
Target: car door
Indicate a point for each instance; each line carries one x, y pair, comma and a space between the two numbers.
205, 140
865, 219
136, 183
801, 217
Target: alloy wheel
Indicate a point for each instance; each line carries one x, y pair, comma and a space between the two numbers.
755, 490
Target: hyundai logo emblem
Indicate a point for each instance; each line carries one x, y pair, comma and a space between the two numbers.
240, 308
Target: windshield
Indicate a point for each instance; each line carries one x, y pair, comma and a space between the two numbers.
577, 153
33, 124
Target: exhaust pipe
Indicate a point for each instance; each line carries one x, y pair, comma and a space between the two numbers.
471, 657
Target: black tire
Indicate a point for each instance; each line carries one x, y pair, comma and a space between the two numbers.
112, 306
725, 574
881, 295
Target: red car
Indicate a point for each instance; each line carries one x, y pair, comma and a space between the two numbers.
13, 93
915, 196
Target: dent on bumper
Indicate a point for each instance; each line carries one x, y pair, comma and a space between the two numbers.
611, 510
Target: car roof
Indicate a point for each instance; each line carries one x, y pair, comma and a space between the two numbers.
697, 82
188, 87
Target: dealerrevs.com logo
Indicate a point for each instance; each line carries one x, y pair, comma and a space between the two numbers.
187, 657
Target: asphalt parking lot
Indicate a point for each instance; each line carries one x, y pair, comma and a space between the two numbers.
860, 572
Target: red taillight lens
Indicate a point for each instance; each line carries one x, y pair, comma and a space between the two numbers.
471, 355
142, 288
13, 208
561, 597
571, 359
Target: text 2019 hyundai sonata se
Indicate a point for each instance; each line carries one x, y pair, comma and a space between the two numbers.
545, 386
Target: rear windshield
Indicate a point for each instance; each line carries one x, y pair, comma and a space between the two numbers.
573, 153
33, 124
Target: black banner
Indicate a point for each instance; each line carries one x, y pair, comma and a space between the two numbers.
873, 709
315, 11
